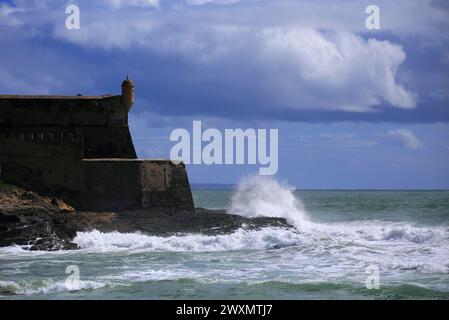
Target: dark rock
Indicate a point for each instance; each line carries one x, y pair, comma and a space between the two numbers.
28, 195
168, 222
52, 243
7, 219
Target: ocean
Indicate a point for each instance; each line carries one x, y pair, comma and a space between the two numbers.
345, 245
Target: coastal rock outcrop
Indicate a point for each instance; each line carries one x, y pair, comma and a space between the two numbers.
38, 222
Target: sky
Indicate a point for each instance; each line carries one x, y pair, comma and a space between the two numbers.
355, 108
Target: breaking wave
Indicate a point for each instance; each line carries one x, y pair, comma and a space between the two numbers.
46, 287
267, 238
258, 196
262, 196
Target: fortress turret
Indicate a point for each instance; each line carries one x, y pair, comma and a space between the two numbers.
127, 93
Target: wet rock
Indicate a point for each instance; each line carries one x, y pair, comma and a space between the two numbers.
7, 219
52, 243
28, 195
28, 219
62, 206
169, 222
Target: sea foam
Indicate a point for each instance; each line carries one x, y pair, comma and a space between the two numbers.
46, 287
258, 196
267, 238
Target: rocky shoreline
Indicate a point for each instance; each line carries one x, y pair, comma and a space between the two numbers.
43, 223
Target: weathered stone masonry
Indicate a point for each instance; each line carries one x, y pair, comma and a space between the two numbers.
79, 148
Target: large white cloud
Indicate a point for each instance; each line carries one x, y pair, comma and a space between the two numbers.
300, 68
339, 70
297, 55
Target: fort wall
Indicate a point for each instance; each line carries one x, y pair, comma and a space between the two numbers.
147, 183
102, 121
80, 149
99, 142
165, 184
52, 163
65, 111
46, 162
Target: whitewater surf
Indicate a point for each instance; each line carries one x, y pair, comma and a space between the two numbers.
335, 239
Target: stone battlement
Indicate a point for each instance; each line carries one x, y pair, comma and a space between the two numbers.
41, 137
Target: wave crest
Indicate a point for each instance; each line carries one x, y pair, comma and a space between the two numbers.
263, 196
46, 287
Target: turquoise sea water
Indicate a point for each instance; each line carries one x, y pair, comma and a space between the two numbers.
402, 234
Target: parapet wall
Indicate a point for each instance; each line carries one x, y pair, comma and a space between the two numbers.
165, 184
125, 184
101, 120
47, 138
62, 111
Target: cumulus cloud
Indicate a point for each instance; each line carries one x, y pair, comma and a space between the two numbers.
335, 63
297, 68
406, 138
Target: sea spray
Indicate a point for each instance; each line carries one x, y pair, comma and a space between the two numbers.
258, 196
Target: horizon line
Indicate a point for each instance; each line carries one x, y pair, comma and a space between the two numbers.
198, 186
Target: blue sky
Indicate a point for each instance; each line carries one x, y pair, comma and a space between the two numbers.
355, 108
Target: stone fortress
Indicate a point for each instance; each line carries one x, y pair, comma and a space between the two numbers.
79, 149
